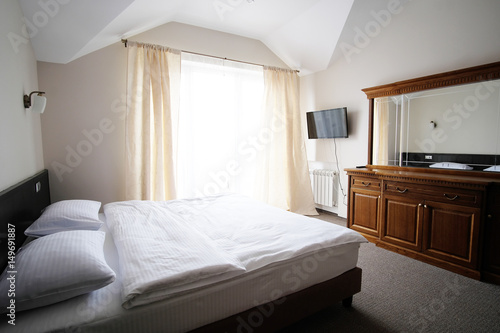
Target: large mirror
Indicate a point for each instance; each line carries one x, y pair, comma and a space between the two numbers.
455, 126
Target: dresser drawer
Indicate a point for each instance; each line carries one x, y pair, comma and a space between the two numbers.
366, 183
435, 193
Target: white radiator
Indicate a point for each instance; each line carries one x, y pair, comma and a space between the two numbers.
324, 186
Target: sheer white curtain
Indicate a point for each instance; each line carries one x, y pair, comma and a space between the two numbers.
218, 126
153, 101
284, 173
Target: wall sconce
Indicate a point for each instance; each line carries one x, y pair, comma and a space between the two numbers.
432, 125
39, 101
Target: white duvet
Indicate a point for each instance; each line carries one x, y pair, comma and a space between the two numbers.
168, 248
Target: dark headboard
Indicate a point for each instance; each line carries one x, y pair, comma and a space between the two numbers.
20, 205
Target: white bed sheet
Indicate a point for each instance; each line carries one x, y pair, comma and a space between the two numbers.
168, 248
101, 310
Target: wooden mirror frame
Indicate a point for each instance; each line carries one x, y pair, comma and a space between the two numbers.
447, 79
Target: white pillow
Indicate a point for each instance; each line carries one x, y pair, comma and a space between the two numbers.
54, 268
67, 215
451, 165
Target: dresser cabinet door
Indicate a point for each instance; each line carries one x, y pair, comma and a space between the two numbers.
402, 221
364, 211
491, 249
451, 233
491, 252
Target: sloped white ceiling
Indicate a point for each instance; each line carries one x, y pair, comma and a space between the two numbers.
303, 33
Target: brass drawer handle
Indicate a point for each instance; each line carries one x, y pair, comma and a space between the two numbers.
401, 191
366, 184
450, 197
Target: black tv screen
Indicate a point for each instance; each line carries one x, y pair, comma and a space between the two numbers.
327, 124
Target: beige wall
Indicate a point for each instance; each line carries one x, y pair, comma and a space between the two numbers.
21, 152
418, 38
83, 126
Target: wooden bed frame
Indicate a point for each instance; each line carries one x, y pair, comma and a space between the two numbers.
23, 203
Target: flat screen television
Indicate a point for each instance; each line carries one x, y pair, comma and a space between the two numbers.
327, 124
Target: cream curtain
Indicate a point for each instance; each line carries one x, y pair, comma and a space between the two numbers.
153, 93
381, 141
283, 180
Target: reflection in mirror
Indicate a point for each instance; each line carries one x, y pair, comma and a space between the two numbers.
387, 131
454, 124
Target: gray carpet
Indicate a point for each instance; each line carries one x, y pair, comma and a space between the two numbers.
400, 294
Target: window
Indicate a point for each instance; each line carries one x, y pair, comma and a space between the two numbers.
219, 119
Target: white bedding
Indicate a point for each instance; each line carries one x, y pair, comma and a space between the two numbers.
170, 247
160, 252
102, 310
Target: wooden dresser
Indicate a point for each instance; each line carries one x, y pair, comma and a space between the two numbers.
451, 221
430, 189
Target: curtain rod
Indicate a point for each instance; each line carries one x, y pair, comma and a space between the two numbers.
125, 41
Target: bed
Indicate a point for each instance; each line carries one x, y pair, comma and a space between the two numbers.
236, 283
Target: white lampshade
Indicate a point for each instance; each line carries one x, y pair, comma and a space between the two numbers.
38, 104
